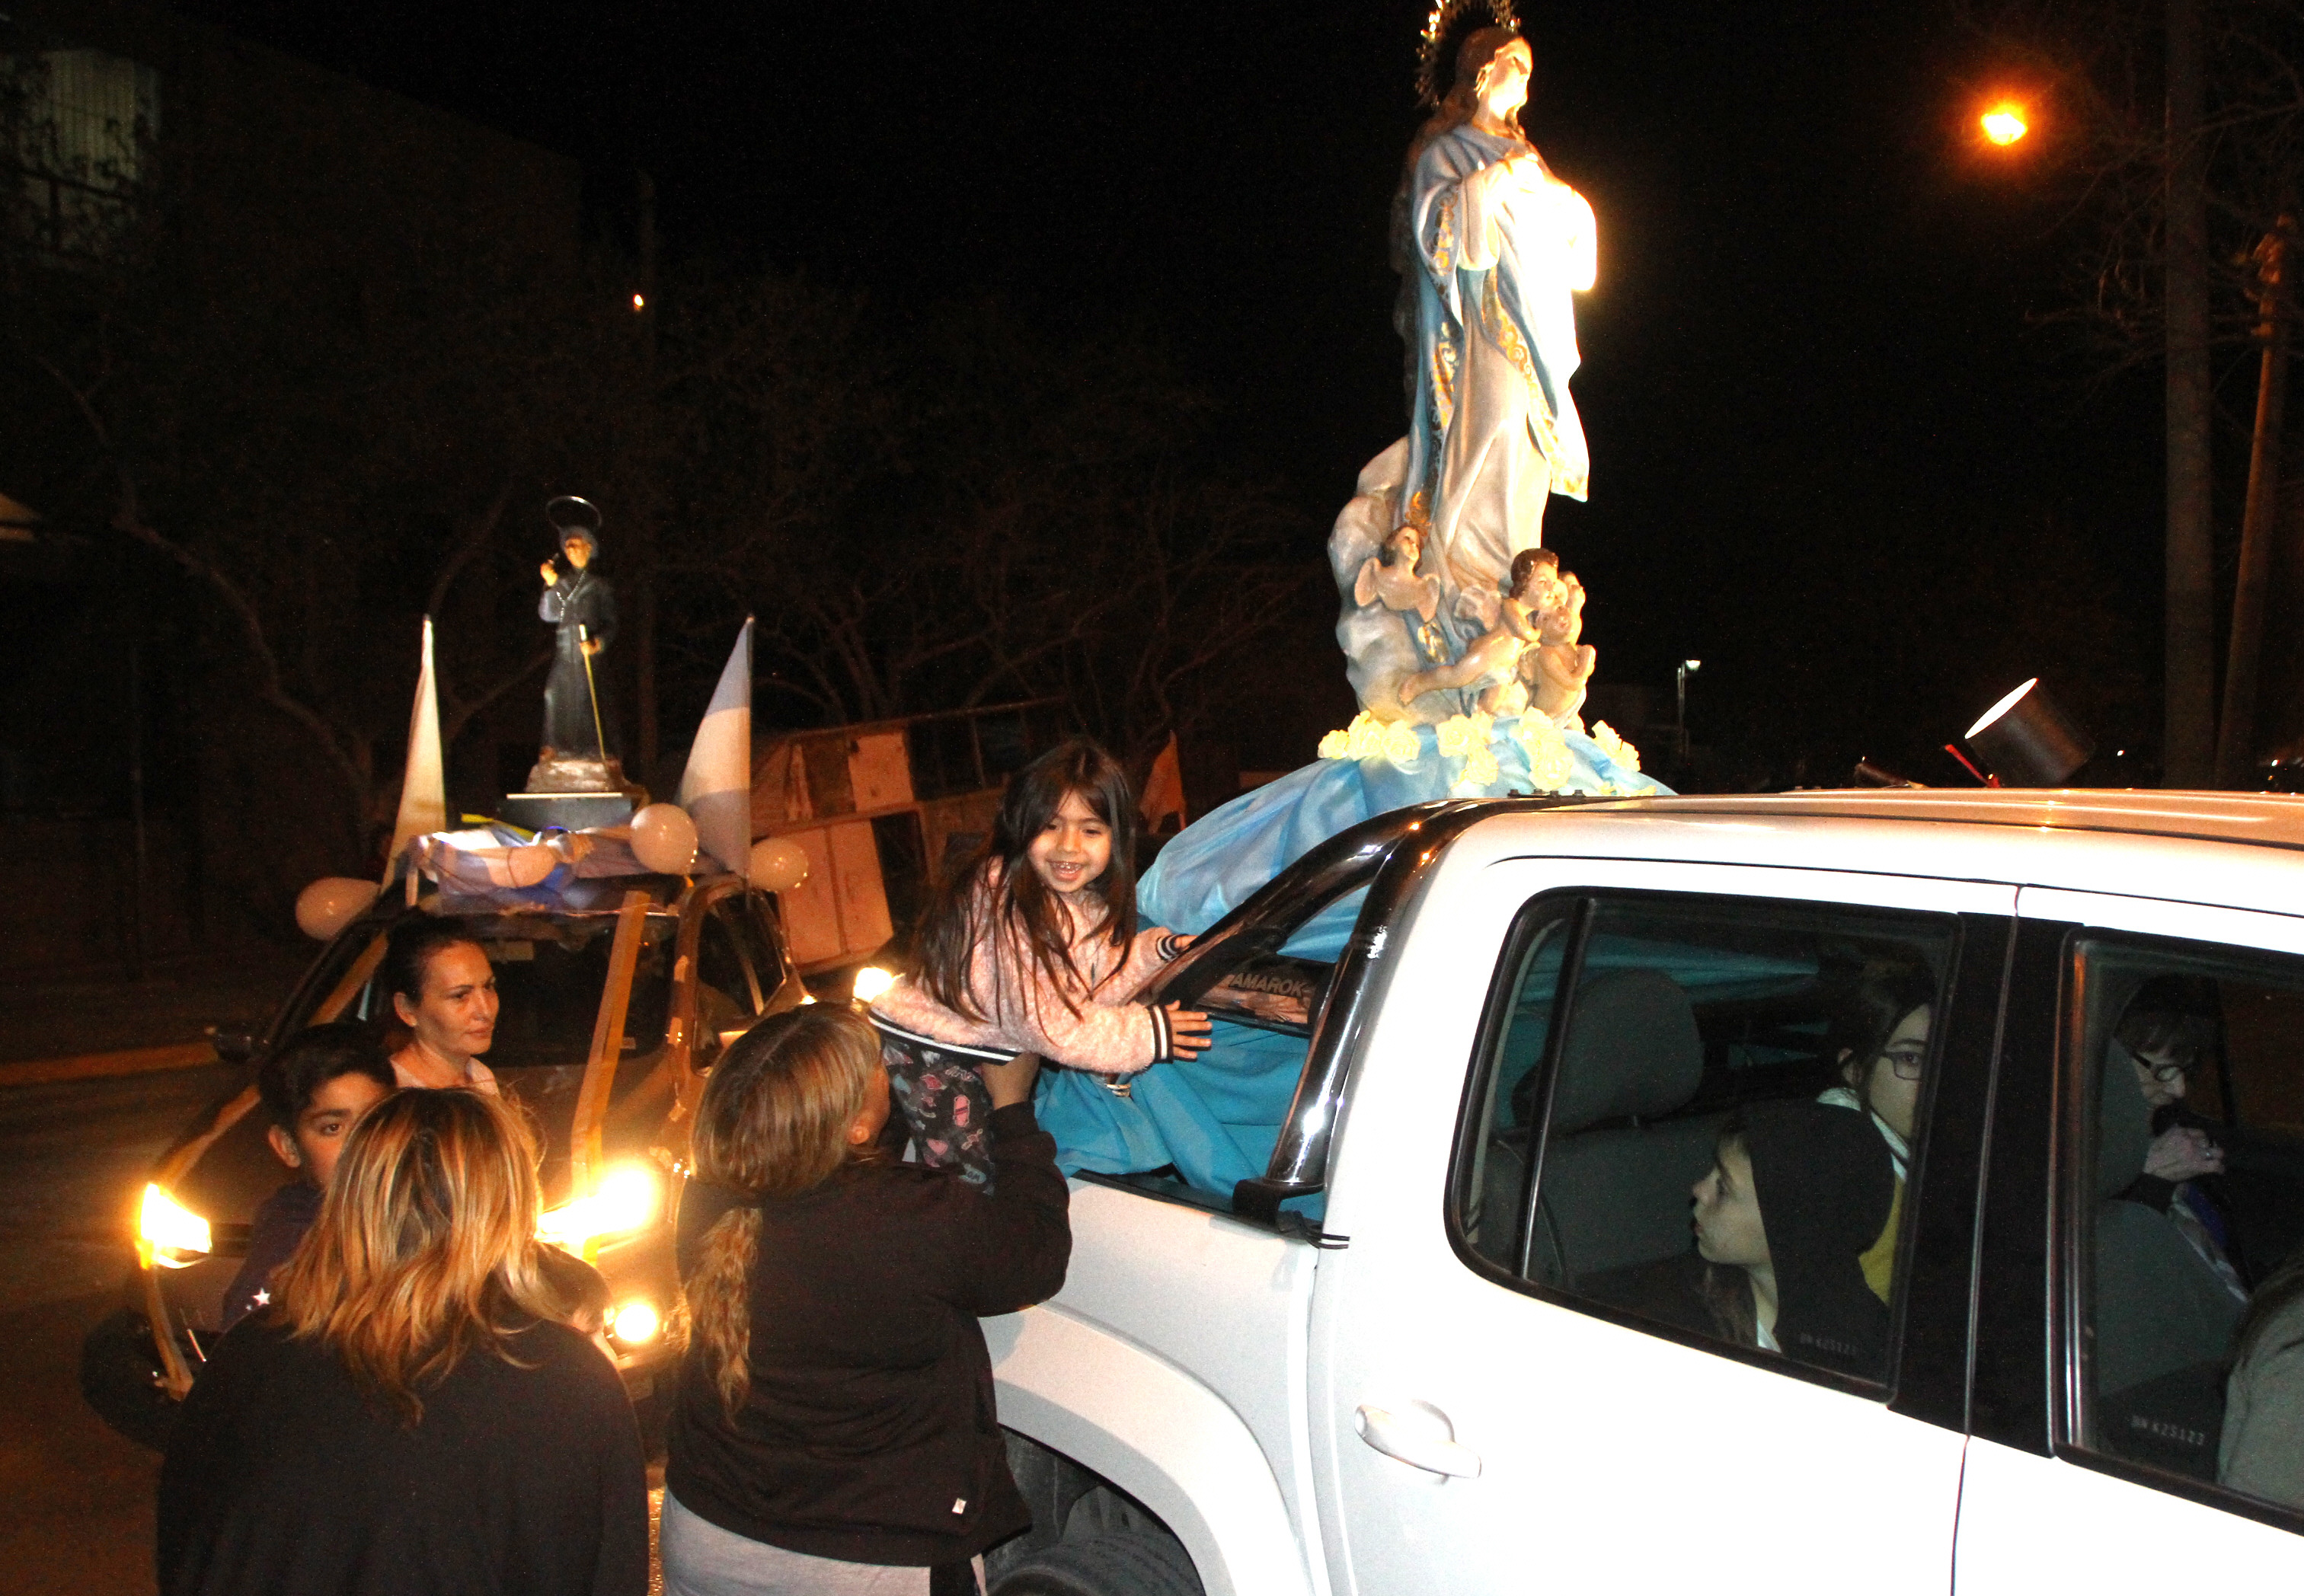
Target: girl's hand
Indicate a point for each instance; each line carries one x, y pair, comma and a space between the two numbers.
1187, 1030
1010, 1084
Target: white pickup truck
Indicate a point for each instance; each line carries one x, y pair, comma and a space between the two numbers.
1457, 1339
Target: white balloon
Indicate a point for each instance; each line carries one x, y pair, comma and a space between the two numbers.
332, 903
777, 865
663, 839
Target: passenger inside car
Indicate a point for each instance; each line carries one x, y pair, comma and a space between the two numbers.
2169, 1031
2262, 1450
315, 1089
1882, 1046
444, 990
2163, 1317
1797, 1193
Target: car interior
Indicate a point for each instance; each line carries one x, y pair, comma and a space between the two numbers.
1579, 1178
2172, 1265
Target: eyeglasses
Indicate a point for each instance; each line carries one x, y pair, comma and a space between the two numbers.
2168, 1074
1905, 1061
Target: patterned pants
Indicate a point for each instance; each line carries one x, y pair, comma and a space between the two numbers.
943, 1099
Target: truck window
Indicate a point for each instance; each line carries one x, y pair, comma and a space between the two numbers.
722, 969
728, 994
2185, 1215
1695, 1115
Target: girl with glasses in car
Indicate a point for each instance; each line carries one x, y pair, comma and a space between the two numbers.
1882, 1048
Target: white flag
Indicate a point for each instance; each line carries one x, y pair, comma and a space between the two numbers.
716, 787
424, 781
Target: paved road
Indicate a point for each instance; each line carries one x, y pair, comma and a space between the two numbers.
75, 1499
53, 1016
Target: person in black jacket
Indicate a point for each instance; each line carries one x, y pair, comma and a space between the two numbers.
1797, 1192
835, 1429
406, 1417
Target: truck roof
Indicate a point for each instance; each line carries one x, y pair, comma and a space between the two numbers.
2272, 819
2241, 850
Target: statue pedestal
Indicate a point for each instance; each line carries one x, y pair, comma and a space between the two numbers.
577, 772
574, 792
571, 811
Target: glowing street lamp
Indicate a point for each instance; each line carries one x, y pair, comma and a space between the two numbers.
2004, 125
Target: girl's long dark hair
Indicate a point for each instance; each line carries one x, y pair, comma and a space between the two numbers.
997, 893
1727, 1290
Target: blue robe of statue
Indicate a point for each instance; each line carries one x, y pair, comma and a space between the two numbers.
1492, 432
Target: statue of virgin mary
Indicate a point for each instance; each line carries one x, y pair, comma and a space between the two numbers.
1490, 245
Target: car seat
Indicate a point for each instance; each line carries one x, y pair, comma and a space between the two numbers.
1614, 1185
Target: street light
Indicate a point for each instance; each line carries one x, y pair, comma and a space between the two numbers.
2005, 124
1681, 672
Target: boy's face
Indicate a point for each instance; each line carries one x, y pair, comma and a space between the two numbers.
323, 1125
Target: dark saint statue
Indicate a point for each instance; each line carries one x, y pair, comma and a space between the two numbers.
583, 605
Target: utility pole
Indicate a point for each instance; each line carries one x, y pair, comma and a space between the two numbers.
2236, 728
645, 653
2189, 735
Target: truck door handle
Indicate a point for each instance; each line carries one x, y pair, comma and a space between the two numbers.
1421, 1437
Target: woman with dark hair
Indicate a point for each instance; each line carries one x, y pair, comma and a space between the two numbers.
408, 1415
1032, 947
1490, 245
834, 1429
1797, 1192
443, 990
1880, 1044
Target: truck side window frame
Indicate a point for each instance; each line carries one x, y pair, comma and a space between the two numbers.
1569, 920
2103, 972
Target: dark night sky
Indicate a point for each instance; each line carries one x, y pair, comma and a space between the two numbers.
1814, 325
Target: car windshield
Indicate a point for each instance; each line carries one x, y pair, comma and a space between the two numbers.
550, 974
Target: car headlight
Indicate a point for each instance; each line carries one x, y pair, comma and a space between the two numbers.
871, 981
626, 1200
168, 1233
636, 1321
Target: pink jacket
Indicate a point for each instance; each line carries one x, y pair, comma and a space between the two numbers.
1024, 1014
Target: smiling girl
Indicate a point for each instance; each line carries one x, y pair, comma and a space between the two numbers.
1032, 948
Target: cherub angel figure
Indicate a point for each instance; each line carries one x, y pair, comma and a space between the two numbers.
1389, 575
1388, 578
1557, 669
1492, 660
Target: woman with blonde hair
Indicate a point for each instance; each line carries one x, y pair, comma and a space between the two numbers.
407, 1415
835, 1431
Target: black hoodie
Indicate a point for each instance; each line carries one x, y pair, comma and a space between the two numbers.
1825, 1184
